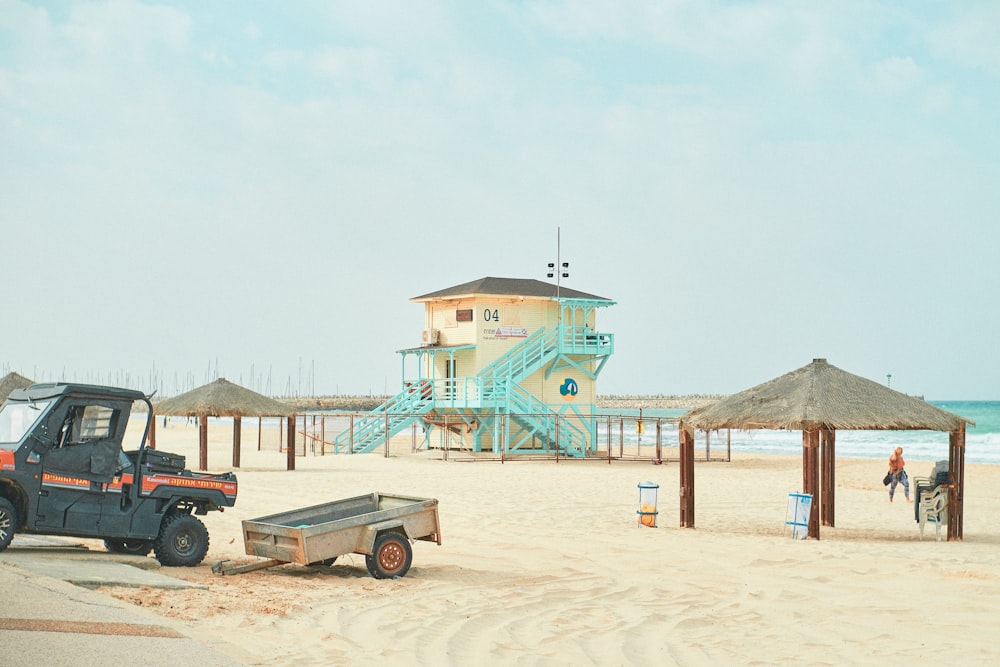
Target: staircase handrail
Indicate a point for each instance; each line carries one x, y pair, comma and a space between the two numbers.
524, 358
524, 402
413, 400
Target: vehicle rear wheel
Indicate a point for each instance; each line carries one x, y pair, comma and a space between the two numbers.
183, 541
391, 556
133, 547
8, 522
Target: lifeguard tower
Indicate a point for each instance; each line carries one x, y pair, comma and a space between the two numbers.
504, 364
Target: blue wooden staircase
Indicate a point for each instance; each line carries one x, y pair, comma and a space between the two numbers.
391, 417
493, 392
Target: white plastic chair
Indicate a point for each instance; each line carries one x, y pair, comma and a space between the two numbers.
934, 508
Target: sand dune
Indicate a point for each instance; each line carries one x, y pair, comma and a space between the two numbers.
544, 564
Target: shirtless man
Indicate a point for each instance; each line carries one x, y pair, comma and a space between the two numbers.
898, 473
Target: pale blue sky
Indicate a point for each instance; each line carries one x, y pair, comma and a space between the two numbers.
260, 187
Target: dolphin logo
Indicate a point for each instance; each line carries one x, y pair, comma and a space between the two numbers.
569, 389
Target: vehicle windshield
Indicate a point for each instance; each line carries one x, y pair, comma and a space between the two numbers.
16, 419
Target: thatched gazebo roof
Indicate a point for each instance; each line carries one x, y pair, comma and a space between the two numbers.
225, 399
12, 381
819, 399
222, 398
820, 395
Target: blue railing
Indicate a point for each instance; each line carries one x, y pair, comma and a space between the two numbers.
495, 388
387, 419
537, 417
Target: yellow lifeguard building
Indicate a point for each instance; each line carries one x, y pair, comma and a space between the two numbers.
504, 364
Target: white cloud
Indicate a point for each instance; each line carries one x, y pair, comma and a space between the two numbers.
803, 42
283, 60
361, 67
126, 29
939, 99
396, 24
971, 38
251, 31
896, 75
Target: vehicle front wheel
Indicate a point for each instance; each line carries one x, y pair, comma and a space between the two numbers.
391, 556
183, 541
8, 522
133, 547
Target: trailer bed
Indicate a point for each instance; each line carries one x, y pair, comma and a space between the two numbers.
362, 525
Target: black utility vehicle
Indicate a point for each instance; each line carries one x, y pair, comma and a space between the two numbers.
63, 471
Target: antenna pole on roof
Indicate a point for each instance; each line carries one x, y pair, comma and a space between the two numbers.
559, 269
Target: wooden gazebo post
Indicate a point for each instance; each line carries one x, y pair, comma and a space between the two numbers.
810, 475
290, 452
237, 428
827, 453
203, 443
687, 475
956, 482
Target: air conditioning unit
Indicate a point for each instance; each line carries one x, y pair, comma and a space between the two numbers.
430, 336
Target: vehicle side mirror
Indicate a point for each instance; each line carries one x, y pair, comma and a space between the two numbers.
38, 448
40, 443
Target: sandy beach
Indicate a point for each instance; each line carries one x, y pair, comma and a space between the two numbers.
544, 564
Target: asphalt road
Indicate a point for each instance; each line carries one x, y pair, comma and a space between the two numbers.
49, 614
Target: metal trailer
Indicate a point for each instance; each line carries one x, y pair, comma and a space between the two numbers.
378, 525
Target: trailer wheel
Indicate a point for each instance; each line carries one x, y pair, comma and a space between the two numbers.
8, 522
183, 540
391, 556
133, 547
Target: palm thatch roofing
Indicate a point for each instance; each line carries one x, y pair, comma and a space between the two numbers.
222, 398
821, 395
13, 381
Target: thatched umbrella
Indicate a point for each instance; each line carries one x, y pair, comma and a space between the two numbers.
13, 381
225, 399
819, 399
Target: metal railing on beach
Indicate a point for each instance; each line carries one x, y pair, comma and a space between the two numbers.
613, 438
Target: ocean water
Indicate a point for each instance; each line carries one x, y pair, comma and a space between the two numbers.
982, 441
